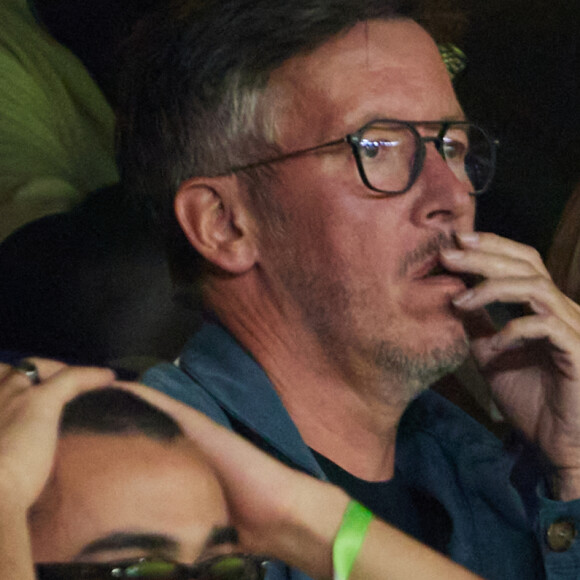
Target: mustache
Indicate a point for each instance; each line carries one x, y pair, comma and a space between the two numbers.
426, 250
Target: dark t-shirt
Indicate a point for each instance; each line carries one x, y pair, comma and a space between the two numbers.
411, 510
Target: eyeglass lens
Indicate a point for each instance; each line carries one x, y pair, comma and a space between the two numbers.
390, 153
227, 568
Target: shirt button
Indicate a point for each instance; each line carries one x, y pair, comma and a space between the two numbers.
561, 535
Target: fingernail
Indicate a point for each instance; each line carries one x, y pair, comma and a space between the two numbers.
463, 298
470, 238
450, 254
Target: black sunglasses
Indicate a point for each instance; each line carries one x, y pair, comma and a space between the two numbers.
224, 567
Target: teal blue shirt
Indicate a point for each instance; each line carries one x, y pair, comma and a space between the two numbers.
490, 492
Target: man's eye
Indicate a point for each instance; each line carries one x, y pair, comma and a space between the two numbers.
371, 149
454, 150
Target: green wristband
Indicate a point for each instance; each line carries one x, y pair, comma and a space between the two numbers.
349, 539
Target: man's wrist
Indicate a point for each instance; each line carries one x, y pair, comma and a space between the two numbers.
350, 538
566, 484
305, 539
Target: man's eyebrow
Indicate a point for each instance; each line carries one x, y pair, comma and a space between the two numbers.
222, 535
458, 117
125, 541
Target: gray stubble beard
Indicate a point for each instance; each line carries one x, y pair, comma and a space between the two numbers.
399, 374
413, 372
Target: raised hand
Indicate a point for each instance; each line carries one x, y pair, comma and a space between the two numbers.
291, 516
533, 363
29, 416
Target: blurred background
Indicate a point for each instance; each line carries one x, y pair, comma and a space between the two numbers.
522, 81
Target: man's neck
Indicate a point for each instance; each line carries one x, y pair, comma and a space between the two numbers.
351, 422
358, 439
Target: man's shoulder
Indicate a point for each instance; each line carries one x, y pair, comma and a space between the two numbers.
171, 380
217, 376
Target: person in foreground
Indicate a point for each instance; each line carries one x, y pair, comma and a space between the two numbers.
314, 167
121, 489
123, 493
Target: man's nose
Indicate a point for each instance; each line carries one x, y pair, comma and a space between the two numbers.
444, 198
438, 142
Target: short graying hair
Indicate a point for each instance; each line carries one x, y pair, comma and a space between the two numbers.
195, 73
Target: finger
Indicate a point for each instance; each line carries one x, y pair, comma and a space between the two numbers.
216, 441
69, 382
534, 328
497, 245
571, 304
19, 377
488, 265
29, 371
47, 367
539, 293
5, 370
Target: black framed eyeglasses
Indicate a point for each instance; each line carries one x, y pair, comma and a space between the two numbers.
224, 567
390, 153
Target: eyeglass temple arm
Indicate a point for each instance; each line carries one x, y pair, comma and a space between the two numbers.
287, 155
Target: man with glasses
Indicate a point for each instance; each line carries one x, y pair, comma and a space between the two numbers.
315, 179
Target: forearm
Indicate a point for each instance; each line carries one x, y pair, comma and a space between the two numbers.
389, 553
305, 540
15, 551
304, 536
293, 517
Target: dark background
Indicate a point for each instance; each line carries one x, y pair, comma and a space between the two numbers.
523, 83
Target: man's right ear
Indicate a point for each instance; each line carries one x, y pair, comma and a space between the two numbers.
217, 223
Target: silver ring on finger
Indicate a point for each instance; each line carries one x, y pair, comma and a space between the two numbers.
29, 369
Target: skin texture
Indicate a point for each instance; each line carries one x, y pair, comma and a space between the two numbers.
295, 517
533, 363
107, 485
348, 259
28, 437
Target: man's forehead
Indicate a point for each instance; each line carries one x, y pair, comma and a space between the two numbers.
84, 460
379, 68
373, 41
104, 485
